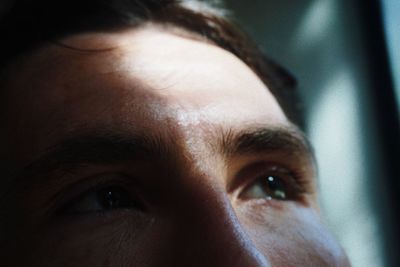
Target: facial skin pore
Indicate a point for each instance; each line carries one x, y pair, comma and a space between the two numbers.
183, 130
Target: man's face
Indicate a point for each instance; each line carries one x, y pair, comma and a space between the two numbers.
153, 149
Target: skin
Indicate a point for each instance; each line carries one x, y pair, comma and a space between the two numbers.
194, 185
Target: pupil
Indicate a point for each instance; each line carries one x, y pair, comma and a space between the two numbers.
113, 198
277, 187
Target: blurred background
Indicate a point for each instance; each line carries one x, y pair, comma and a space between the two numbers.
346, 57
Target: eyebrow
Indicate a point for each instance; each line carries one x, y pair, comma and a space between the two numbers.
264, 140
114, 148
97, 149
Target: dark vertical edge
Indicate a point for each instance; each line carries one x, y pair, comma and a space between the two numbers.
387, 120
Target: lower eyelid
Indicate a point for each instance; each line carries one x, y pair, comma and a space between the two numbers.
266, 205
98, 219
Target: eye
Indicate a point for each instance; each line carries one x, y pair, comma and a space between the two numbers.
105, 199
268, 187
274, 184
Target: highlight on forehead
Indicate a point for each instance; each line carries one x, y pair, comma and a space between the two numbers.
48, 21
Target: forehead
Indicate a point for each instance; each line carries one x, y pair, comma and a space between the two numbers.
145, 80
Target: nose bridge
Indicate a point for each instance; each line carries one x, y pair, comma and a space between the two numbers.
210, 234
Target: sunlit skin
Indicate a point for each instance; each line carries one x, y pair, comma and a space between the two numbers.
170, 122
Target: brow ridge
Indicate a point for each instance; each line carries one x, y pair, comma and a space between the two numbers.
264, 139
97, 149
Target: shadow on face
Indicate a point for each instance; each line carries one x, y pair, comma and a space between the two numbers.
160, 151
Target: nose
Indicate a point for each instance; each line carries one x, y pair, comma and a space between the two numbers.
210, 234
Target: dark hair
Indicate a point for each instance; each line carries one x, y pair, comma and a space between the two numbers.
28, 24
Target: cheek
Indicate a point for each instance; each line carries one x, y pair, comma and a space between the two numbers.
119, 241
294, 236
